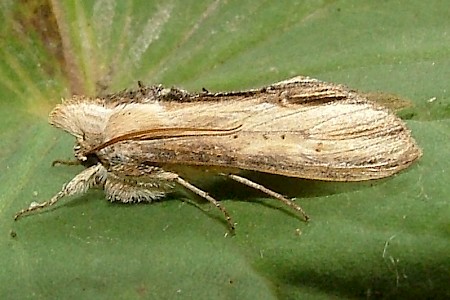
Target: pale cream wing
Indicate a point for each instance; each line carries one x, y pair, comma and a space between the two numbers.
347, 139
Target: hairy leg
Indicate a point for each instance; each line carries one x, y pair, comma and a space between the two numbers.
80, 184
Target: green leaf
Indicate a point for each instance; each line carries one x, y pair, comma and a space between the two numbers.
381, 239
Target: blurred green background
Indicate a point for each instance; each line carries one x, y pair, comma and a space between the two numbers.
383, 239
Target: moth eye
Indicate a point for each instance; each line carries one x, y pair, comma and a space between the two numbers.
91, 160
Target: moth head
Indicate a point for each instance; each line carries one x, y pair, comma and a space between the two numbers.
85, 119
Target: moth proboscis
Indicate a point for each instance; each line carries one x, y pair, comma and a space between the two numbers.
130, 141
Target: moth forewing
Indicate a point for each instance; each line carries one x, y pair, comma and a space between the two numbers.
283, 132
299, 127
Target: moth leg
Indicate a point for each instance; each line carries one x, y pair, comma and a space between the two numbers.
74, 162
205, 195
88, 178
271, 193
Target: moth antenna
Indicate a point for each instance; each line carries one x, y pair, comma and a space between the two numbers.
205, 195
161, 133
271, 193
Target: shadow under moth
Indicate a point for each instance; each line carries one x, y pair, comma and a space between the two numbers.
130, 142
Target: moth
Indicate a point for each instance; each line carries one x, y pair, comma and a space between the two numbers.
132, 141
